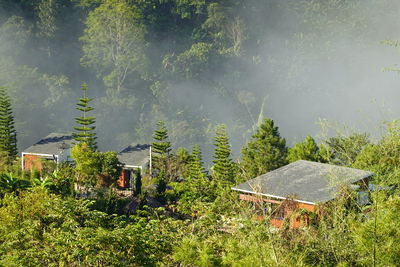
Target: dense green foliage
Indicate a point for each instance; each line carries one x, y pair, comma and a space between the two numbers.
202, 223
383, 157
38, 228
94, 168
307, 150
343, 150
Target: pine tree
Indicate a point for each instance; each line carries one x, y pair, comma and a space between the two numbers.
86, 126
224, 170
265, 151
8, 135
307, 150
161, 146
195, 169
198, 185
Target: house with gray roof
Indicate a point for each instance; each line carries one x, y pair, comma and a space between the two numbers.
133, 157
304, 183
54, 147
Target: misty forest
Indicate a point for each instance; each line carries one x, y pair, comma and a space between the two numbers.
267, 131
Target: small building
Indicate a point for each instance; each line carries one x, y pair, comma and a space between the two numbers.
300, 185
133, 157
55, 147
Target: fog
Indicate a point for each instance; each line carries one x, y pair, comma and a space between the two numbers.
313, 66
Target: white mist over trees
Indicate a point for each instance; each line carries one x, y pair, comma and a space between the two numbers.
197, 64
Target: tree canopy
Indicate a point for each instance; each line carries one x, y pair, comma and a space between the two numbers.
307, 150
265, 151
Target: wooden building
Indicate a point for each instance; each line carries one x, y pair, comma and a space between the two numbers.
55, 147
294, 190
133, 157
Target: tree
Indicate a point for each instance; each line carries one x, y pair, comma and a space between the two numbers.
94, 168
226, 28
8, 135
110, 168
382, 158
343, 150
197, 186
113, 42
266, 151
161, 185
377, 238
195, 168
46, 10
307, 150
223, 170
87, 164
85, 129
161, 147
137, 182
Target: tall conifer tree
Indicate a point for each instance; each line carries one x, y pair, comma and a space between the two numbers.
198, 184
8, 135
161, 145
161, 148
265, 151
196, 169
224, 170
86, 126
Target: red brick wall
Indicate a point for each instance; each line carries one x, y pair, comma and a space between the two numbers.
32, 162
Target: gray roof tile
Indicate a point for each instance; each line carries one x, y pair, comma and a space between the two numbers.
135, 155
304, 180
53, 144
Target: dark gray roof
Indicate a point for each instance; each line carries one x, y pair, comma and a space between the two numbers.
305, 181
135, 155
53, 144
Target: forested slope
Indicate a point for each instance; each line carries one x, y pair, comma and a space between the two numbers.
193, 64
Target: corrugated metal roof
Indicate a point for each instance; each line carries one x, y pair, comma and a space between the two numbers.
53, 144
135, 155
306, 181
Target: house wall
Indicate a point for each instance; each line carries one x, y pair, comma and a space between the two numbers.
292, 213
32, 162
284, 210
36, 161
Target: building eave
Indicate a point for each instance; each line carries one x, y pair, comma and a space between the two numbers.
38, 154
273, 196
132, 167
